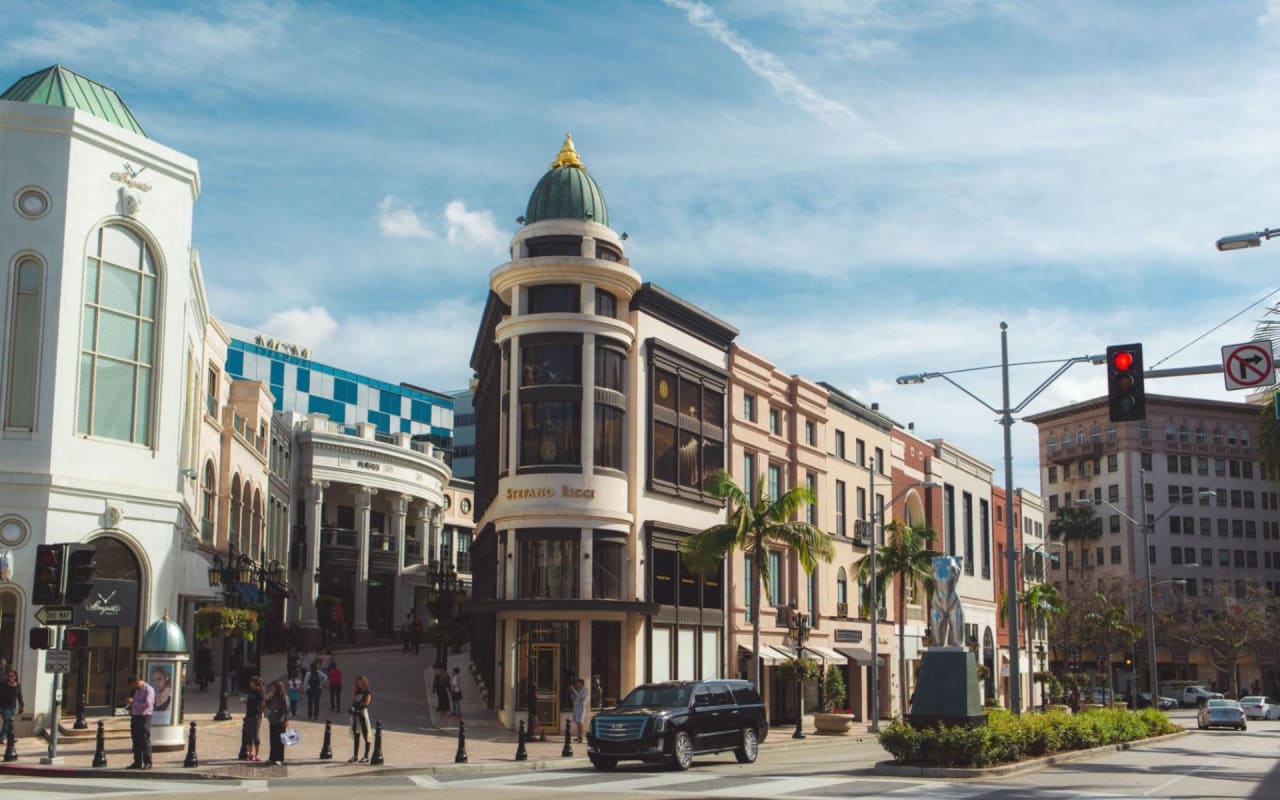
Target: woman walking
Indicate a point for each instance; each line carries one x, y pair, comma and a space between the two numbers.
11, 703
455, 693
360, 700
277, 718
253, 704
578, 694
294, 690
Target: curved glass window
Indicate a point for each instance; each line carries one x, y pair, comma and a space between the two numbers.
606, 304
549, 433
554, 298
548, 566
608, 436
610, 364
117, 345
24, 346
551, 364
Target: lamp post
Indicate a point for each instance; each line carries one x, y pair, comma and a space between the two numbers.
238, 568
874, 516
1006, 413
1240, 241
1146, 528
443, 584
799, 625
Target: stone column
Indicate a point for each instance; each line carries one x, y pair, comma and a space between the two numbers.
360, 621
399, 510
422, 521
587, 456
311, 563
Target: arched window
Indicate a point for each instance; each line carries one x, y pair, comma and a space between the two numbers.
1112, 433
233, 519
1095, 436
1184, 435
1170, 433
842, 590
1201, 438
1080, 440
209, 512
1052, 443
256, 542
1066, 440
24, 346
1231, 437
1217, 436
117, 341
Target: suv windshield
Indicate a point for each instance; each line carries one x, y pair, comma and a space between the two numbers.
651, 696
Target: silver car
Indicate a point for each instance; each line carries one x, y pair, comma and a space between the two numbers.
1217, 713
1258, 706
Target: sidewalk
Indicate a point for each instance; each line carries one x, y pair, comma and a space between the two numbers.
412, 742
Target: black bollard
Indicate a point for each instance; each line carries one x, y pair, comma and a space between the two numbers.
568, 748
326, 750
244, 743
11, 747
191, 760
376, 760
521, 753
461, 756
100, 752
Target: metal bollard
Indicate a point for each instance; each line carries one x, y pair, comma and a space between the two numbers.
100, 751
568, 748
521, 753
326, 750
11, 747
376, 760
244, 742
191, 760
461, 756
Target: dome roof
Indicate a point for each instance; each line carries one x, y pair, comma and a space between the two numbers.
164, 636
567, 191
59, 86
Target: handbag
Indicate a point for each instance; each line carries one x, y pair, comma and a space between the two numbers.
290, 737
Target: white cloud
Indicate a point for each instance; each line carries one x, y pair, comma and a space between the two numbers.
401, 222
309, 327
785, 83
472, 229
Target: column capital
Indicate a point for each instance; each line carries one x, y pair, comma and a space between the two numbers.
364, 495
400, 504
315, 489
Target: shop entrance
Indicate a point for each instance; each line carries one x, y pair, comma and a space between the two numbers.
545, 661
606, 666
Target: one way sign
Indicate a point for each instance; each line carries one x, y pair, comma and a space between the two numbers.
1248, 365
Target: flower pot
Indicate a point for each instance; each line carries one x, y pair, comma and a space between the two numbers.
833, 724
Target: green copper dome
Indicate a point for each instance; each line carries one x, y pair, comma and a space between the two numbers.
566, 191
164, 636
59, 86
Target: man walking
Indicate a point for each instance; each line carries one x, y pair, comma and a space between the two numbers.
140, 708
11, 702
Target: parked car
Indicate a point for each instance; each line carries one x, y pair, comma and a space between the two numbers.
671, 722
1220, 713
1258, 706
1103, 696
1163, 703
1198, 696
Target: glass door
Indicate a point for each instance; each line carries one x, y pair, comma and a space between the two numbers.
546, 662
101, 678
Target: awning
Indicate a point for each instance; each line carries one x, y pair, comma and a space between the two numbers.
827, 655
768, 654
858, 655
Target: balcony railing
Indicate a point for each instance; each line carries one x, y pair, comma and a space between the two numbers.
382, 541
338, 537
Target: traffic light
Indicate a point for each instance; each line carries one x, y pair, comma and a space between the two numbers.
1126, 393
47, 587
80, 566
41, 638
75, 638
1128, 661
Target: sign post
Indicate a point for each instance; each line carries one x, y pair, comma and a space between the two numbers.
1248, 365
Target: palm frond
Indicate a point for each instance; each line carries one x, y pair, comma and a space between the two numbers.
703, 552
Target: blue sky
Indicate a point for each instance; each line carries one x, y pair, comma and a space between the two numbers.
864, 188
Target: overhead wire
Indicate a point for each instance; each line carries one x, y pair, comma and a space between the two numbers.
1231, 318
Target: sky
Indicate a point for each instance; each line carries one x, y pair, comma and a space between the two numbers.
864, 188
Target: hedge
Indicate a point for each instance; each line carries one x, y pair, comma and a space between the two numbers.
1007, 737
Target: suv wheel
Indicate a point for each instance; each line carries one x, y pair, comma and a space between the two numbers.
681, 751
603, 763
748, 746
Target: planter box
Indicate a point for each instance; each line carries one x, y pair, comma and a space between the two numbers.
834, 724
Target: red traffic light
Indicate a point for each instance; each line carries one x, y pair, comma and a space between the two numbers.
75, 637
1122, 360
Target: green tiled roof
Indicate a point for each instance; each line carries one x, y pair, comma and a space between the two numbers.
59, 86
567, 191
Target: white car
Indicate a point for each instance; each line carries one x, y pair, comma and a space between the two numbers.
1198, 696
1258, 706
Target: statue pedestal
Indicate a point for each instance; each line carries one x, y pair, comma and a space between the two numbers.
947, 689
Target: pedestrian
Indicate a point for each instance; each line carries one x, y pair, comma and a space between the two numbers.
292, 661
360, 700
406, 635
11, 703
1073, 700
441, 686
277, 705
339, 620
335, 686
141, 706
315, 682
294, 691
417, 636
254, 702
578, 694
455, 693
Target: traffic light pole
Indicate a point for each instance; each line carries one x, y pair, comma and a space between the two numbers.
54, 707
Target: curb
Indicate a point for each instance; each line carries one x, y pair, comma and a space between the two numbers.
1002, 770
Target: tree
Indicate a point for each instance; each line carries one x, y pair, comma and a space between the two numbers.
1075, 524
1228, 629
906, 559
1040, 602
1107, 628
755, 529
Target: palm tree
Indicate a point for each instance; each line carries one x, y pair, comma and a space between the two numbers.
906, 559
1075, 524
755, 528
1040, 601
1107, 628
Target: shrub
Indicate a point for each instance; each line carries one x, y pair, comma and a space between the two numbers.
1007, 737
834, 693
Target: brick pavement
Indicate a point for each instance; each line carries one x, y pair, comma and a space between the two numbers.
412, 739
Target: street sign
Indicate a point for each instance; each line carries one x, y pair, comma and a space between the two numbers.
57, 661
55, 615
1248, 365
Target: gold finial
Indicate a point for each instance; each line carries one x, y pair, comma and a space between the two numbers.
567, 157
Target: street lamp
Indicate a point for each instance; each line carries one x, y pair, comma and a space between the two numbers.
237, 569
873, 517
1147, 528
799, 625
1006, 421
443, 584
1240, 241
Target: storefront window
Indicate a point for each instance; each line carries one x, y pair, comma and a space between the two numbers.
548, 565
607, 558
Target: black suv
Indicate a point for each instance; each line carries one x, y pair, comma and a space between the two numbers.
669, 722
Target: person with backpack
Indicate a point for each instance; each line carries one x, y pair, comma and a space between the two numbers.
315, 683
